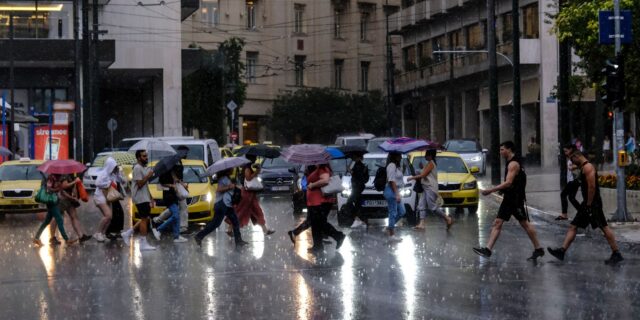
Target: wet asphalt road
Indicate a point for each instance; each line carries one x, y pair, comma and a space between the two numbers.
429, 275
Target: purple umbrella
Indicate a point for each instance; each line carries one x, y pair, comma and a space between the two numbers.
306, 154
403, 145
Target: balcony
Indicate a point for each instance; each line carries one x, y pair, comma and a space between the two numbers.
188, 7
51, 53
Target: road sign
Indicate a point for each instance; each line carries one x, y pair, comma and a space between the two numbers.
606, 21
112, 124
232, 106
234, 135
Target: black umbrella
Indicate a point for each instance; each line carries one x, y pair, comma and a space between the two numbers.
259, 150
352, 150
166, 164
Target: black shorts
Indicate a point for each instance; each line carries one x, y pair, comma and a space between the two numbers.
596, 219
144, 210
512, 208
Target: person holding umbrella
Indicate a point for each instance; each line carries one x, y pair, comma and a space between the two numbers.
169, 170
107, 178
223, 203
249, 207
54, 184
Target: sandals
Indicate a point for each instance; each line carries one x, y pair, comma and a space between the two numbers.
449, 223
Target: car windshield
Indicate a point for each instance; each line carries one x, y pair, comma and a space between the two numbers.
462, 146
339, 166
451, 165
20, 172
196, 151
126, 144
278, 162
191, 174
355, 142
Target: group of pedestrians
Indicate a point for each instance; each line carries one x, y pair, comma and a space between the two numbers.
590, 211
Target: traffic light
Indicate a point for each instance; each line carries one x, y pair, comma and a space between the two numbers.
613, 86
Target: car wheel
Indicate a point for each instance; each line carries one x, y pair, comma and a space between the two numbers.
345, 219
473, 209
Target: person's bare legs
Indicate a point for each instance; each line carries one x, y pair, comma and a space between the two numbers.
106, 218
568, 239
531, 232
495, 232
611, 239
75, 222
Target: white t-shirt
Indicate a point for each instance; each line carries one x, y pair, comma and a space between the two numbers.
394, 174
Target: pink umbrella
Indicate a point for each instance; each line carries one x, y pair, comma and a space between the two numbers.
62, 167
307, 154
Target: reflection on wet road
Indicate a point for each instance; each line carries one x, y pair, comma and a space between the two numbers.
431, 274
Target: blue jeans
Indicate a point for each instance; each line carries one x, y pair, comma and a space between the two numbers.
396, 210
220, 212
173, 221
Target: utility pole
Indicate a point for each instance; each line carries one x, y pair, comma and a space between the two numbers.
87, 79
618, 121
95, 83
390, 67
564, 71
517, 129
12, 85
451, 97
493, 93
77, 127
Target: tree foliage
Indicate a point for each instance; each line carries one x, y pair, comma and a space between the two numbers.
203, 92
577, 22
317, 115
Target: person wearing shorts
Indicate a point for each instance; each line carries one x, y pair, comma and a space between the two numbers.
590, 213
141, 197
513, 189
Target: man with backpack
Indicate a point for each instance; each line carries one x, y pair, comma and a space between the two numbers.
359, 178
513, 203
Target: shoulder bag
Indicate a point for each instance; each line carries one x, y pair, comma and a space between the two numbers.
112, 194
253, 184
334, 186
181, 191
45, 197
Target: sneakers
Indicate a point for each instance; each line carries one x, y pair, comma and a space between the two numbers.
99, 237
85, 238
180, 239
292, 236
340, 240
392, 238
557, 252
614, 259
241, 243
536, 254
126, 236
186, 232
54, 241
485, 252
357, 223
269, 232
156, 233
144, 245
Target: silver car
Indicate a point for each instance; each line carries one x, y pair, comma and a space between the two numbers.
471, 153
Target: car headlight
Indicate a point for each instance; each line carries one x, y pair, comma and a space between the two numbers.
470, 185
130, 176
405, 192
208, 197
260, 179
476, 158
346, 192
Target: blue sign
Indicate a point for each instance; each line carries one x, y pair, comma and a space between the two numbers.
607, 25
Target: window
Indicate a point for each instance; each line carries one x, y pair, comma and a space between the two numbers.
251, 15
364, 75
507, 27
298, 19
252, 62
209, 12
364, 25
439, 43
475, 34
338, 67
457, 40
47, 22
530, 21
409, 54
425, 53
42, 98
299, 69
337, 24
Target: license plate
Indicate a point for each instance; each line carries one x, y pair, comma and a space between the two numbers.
446, 194
374, 203
279, 188
18, 202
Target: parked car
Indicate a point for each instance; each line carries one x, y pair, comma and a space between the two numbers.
206, 150
373, 144
202, 190
354, 140
374, 204
456, 184
470, 151
278, 175
20, 181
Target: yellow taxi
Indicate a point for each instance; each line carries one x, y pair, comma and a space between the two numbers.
456, 183
202, 192
225, 152
20, 181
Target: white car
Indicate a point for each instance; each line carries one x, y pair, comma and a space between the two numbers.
374, 205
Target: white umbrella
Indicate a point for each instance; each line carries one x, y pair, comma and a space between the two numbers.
227, 163
155, 148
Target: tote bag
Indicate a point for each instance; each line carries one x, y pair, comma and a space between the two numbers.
253, 184
334, 186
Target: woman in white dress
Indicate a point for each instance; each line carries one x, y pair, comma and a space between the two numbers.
429, 198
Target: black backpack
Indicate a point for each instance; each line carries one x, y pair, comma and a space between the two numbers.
380, 181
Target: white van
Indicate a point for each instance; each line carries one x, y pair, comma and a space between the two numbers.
199, 149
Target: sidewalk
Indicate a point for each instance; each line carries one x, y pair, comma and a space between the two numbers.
543, 201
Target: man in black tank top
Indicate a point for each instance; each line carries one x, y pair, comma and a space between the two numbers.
590, 212
513, 189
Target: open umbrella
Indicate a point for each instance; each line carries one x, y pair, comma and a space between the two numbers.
335, 153
352, 150
156, 149
403, 145
5, 152
227, 163
259, 150
166, 164
306, 154
62, 167
121, 158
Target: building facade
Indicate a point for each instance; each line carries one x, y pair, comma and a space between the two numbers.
294, 44
445, 96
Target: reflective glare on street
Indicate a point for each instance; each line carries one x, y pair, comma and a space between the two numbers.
430, 274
